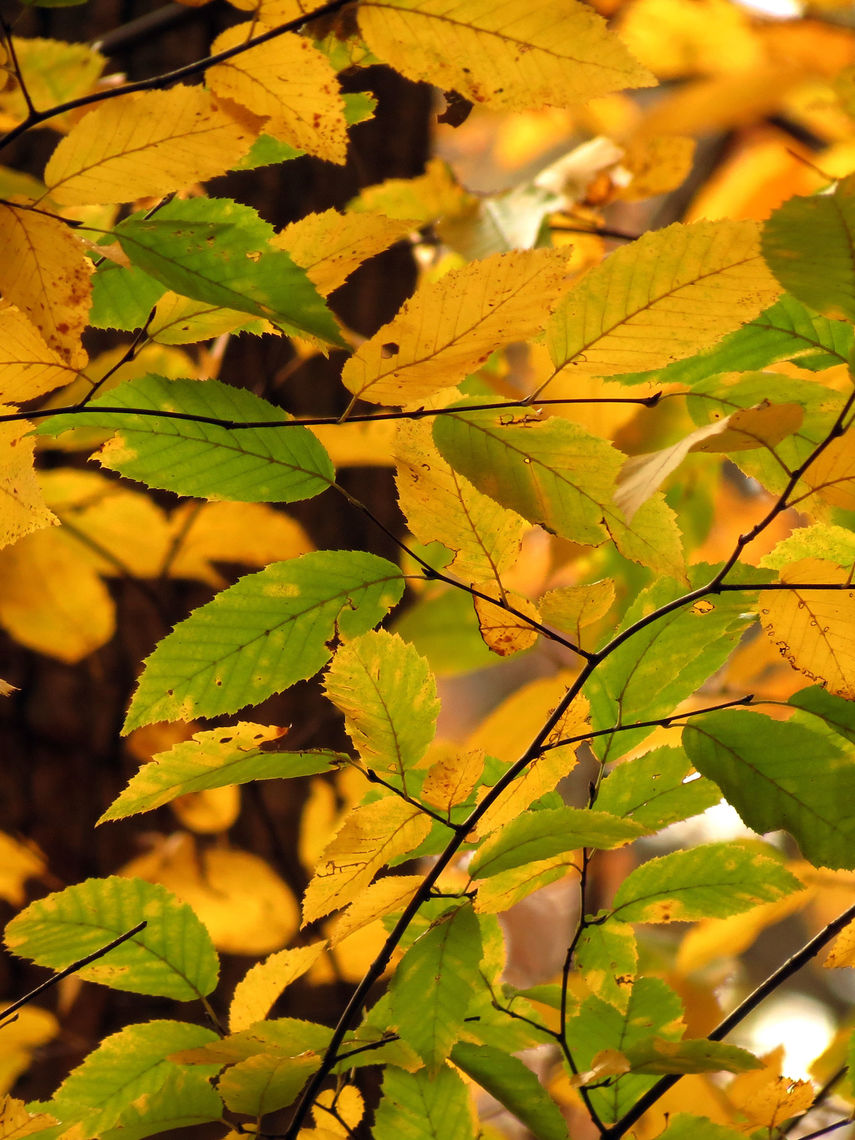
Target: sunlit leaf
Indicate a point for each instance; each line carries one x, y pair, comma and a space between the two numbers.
28, 367
385, 896
16, 1122
656, 789
606, 954
572, 608
424, 1106
259, 988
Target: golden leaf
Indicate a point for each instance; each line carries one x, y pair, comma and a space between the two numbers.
349, 1110
715, 938
330, 245
288, 82
814, 629
146, 144
452, 775
513, 56
19, 861
44, 271
370, 836
22, 506
842, 952
417, 201
16, 1122
572, 608
385, 896
831, 476
504, 632
55, 72
209, 811
359, 444
262, 984
766, 1098
450, 326
657, 164
28, 367
499, 893
511, 727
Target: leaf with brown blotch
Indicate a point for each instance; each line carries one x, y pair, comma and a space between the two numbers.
504, 632
22, 506
28, 366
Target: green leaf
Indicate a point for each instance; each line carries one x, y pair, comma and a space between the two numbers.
682, 1126
387, 693
126, 1066
836, 712
539, 835
216, 250
780, 774
655, 1055
606, 955
714, 880
263, 634
655, 789
419, 1106
444, 629
265, 1082
515, 1086
254, 465
173, 956
433, 985
653, 1009
808, 244
215, 759
181, 1100
123, 296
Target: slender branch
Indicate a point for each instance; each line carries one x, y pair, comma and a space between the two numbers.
16, 67
372, 777
828, 1128
73, 968
729, 1023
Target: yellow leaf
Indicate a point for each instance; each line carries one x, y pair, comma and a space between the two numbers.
510, 728
675, 38
19, 861
146, 144
288, 82
6, 689
22, 507
387, 896
663, 298
275, 12
714, 938
657, 164
253, 534
329, 246
44, 271
259, 988
572, 608
442, 505
452, 775
349, 1110
514, 56
244, 904
16, 1122
370, 836
28, 367
359, 444
504, 632
417, 201
207, 812
543, 773
842, 952
831, 476
766, 1099
32, 1027
55, 72
814, 629
450, 326
761, 426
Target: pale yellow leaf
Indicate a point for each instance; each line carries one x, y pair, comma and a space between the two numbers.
675, 39
665, 297
606, 1063
244, 904
814, 629
441, 505
359, 444
22, 506
44, 271
329, 246
288, 82
506, 633
762, 426
28, 367
451, 326
16, 1122
259, 988
452, 775
512, 56
572, 608
146, 144
417, 201
19, 861
386, 896
208, 812
370, 836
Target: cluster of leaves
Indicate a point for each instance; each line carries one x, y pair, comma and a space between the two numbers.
703, 344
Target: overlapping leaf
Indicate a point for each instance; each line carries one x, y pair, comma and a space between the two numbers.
513, 1085
424, 1106
22, 506
656, 789
28, 367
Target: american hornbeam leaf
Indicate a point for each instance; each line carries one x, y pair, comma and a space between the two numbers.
266, 1082
606, 955
181, 1100
514, 1085
28, 367
262, 984
657, 1055
653, 1009
780, 774
682, 1126
664, 297
509, 57
217, 250
656, 789
422, 1106
123, 296
824, 541
835, 712
808, 245
558, 476
359, 106
433, 984
263, 634
541, 834
216, 759
125, 1066
711, 881
255, 465
173, 955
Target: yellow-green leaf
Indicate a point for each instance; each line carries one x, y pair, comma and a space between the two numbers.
262, 984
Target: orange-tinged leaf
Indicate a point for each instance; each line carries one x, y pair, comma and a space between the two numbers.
28, 367
208, 812
766, 1099
262, 984
19, 861
359, 443
714, 938
450, 326
512, 56
330, 245
385, 896
45, 273
814, 629
244, 904
505, 632
146, 144
370, 836
842, 952
452, 775
418, 201
675, 39
22, 506
761, 426
665, 297
288, 82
